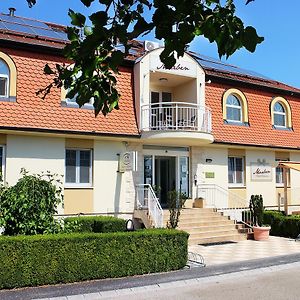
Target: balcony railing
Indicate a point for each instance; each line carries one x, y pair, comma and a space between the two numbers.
180, 116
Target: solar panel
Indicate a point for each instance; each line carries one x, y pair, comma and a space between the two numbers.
35, 23
212, 63
32, 27
19, 28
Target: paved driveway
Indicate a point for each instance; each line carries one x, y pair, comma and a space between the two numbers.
246, 250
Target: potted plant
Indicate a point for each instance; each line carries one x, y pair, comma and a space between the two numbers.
261, 232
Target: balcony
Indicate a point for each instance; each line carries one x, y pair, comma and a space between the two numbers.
176, 122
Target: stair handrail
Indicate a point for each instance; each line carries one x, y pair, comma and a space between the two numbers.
237, 208
149, 202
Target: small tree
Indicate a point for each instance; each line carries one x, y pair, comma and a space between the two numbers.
257, 209
29, 206
175, 202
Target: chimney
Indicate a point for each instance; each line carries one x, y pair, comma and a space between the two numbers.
12, 11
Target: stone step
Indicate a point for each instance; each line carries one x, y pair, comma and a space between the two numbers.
208, 234
204, 218
217, 239
198, 223
210, 228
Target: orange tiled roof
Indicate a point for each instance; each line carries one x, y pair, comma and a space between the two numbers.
30, 112
260, 131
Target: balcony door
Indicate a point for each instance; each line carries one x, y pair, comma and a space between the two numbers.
161, 114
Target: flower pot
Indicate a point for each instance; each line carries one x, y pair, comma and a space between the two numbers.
261, 233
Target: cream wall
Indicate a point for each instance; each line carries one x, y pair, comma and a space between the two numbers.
266, 188
218, 166
186, 92
109, 184
35, 154
295, 180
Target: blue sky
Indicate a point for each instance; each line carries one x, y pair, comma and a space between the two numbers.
277, 57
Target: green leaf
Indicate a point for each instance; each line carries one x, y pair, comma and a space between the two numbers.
251, 39
77, 19
48, 70
87, 3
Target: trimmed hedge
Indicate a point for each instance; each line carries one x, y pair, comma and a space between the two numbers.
50, 259
98, 224
281, 225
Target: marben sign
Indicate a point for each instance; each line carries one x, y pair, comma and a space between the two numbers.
182, 67
261, 172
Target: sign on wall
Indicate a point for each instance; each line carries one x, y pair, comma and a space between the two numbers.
261, 171
127, 161
181, 67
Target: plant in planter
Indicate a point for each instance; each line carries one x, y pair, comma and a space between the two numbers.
261, 232
176, 202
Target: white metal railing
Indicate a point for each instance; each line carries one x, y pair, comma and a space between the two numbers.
176, 116
146, 199
218, 197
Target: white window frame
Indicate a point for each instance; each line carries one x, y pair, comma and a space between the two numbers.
281, 184
77, 184
234, 106
281, 114
6, 87
235, 184
3, 161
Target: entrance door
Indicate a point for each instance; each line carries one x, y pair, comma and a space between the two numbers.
165, 177
167, 173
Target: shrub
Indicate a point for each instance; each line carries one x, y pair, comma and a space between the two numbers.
29, 206
97, 224
175, 202
61, 258
281, 225
257, 209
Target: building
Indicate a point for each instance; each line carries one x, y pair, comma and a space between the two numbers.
205, 128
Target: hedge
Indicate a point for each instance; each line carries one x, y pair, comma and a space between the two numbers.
98, 224
281, 225
50, 259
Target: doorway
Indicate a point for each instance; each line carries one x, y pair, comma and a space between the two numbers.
166, 173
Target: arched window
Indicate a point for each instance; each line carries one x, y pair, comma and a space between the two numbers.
4, 79
8, 78
235, 107
281, 116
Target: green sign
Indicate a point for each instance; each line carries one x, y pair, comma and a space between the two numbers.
209, 174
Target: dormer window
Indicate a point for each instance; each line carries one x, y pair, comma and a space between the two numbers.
8, 78
4, 79
281, 115
235, 107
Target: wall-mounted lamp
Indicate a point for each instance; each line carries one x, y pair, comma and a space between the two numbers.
163, 79
208, 160
195, 179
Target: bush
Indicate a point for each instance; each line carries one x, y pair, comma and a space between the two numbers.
29, 206
97, 224
282, 225
61, 258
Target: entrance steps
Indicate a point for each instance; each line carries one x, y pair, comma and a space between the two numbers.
206, 226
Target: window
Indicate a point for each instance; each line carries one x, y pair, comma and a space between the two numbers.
281, 117
8, 78
4, 79
235, 107
236, 171
2, 162
279, 174
78, 167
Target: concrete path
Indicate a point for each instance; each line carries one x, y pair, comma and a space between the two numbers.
245, 250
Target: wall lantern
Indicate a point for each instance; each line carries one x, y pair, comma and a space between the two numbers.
129, 225
208, 160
